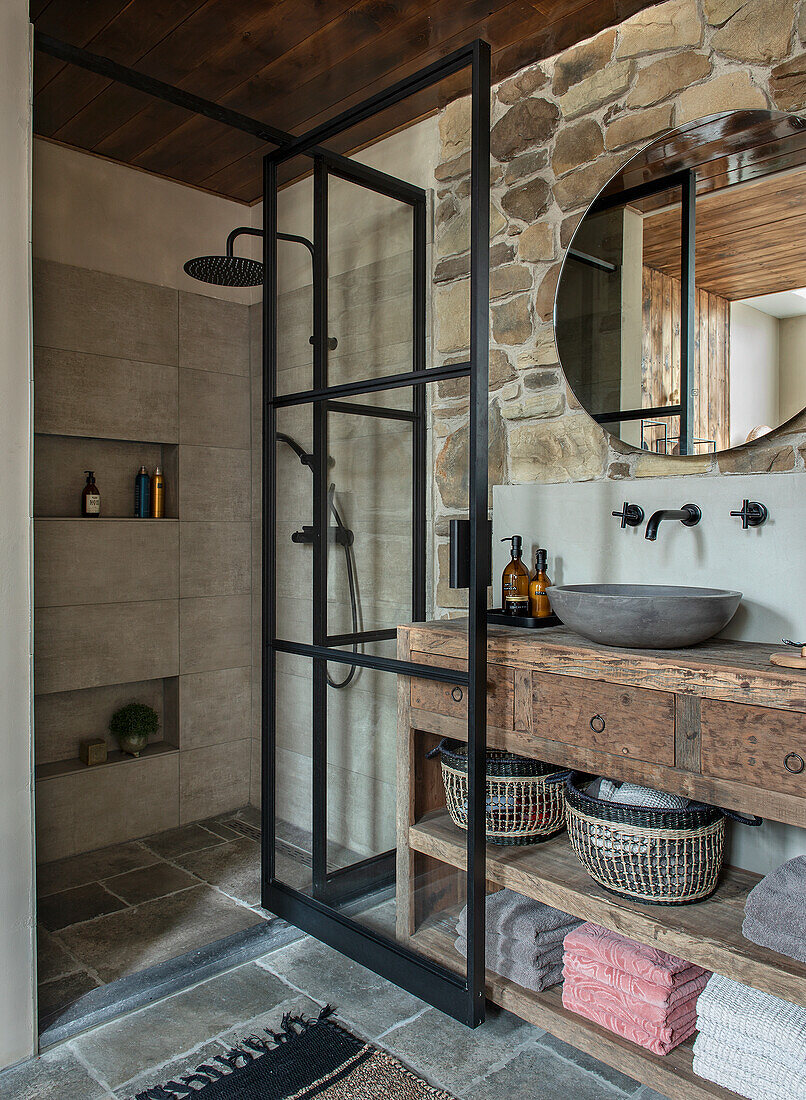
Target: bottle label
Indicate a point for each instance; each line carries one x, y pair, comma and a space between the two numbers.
516, 605
93, 504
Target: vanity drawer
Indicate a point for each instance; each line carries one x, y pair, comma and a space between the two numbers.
757, 745
451, 699
607, 718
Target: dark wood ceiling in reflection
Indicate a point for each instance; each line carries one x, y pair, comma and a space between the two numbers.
290, 63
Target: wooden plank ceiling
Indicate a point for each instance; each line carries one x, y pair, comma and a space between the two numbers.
750, 240
290, 63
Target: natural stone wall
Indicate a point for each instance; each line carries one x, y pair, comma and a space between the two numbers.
560, 129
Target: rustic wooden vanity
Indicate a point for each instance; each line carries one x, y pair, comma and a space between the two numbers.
716, 722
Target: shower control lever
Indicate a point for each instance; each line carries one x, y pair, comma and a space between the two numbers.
752, 514
631, 515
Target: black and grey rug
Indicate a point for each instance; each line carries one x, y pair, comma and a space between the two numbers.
306, 1058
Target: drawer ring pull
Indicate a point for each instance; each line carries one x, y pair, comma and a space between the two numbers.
457, 694
794, 762
597, 723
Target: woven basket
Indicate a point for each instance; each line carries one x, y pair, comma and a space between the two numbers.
661, 857
525, 798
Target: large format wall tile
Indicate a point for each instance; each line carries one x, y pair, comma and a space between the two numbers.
213, 780
103, 314
214, 633
214, 707
213, 335
213, 409
78, 647
106, 805
215, 559
65, 718
214, 483
93, 561
60, 462
80, 394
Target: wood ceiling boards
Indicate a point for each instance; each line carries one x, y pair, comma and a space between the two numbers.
290, 63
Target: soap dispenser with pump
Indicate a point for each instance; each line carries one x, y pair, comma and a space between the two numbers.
515, 581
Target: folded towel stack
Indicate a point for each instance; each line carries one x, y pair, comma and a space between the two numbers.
637, 992
524, 939
630, 794
775, 910
750, 1042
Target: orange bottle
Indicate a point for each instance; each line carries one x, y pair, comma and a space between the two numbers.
515, 581
539, 605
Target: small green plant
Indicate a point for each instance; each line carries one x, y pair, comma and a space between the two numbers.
132, 725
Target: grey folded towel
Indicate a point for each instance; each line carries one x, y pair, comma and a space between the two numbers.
775, 910
536, 978
508, 952
519, 918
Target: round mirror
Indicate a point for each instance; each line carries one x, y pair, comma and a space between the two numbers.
680, 314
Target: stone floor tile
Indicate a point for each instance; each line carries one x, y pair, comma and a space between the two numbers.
359, 996
155, 931
537, 1073
175, 842
58, 994
452, 1054
82, 903
64, 874
167, 1030
592, 1065
647, 1093
52, 961
156, 881
57, 1075
222, 829
172, 1070
233, 867
270, 1021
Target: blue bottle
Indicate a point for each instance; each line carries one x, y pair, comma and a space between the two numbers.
142, 494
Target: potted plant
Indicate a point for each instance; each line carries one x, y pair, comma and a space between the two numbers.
132, 725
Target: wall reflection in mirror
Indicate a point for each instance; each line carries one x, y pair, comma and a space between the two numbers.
680, 315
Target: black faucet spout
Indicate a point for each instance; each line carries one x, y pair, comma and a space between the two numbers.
689, 515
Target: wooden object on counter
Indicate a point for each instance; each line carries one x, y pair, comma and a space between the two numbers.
93, 752
790, 660
716, 722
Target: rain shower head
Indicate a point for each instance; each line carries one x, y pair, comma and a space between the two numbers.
228, 270
233, 270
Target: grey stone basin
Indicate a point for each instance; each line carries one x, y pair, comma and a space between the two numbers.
644, 616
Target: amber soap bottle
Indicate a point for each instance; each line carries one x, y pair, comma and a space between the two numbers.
515, 581
90, 497
539, 605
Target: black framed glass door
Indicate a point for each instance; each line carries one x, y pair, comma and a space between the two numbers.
353, 412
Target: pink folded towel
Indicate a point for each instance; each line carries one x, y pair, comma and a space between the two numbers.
636, 988
625, 1028
655, 1021
590, 941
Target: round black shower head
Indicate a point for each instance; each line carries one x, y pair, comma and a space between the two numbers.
225, 270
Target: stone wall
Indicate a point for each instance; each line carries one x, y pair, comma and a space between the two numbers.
560, 130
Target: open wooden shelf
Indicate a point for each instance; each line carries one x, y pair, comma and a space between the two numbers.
671, 1074
105, 519
69, 767
708, 933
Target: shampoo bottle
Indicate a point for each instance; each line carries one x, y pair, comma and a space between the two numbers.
90, 497
142, 486
539, 605
515, 581
158, 494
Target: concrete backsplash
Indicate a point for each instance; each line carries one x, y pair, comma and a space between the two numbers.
560, 130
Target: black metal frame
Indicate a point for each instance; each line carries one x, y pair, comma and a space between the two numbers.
319, 914
686, 180
460, 997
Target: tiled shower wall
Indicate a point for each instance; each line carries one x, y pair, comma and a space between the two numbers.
129, 373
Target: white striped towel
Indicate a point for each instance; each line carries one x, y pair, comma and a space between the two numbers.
630, 794
767, 1021
746, 1070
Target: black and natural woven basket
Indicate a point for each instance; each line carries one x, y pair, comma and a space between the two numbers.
661, 857
525, 799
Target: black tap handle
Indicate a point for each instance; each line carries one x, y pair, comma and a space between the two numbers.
631, 515
752, 514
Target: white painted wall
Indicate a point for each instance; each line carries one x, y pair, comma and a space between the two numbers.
16, 835
93, 213
753, 371
767, 564
791, 366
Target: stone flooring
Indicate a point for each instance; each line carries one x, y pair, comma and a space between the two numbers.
505, 1059
109, 913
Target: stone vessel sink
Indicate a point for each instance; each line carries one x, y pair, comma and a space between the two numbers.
644, 616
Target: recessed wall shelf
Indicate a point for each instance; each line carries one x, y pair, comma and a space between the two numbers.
104, 519
69, 767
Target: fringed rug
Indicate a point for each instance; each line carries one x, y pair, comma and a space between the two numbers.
306, 1058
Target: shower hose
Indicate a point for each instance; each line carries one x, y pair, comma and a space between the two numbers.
306, 460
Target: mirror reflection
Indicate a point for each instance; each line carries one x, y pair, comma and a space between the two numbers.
680, 315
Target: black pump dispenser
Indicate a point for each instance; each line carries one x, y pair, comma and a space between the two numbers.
517, 545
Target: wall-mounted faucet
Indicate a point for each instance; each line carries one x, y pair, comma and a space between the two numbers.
689, 515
